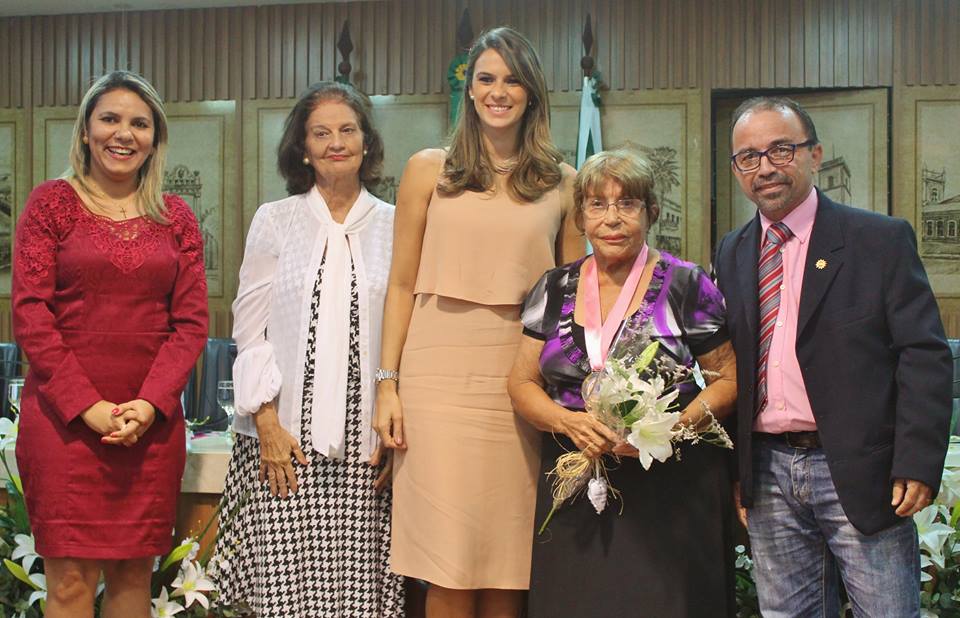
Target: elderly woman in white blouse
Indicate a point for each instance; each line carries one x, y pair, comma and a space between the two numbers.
312, 529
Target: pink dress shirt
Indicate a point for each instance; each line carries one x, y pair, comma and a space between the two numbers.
788, 408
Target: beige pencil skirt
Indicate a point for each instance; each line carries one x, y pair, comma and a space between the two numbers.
464, 491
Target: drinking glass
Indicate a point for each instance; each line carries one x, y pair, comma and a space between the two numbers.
14, 389
225, 400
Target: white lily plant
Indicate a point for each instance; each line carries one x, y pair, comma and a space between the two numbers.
939, 541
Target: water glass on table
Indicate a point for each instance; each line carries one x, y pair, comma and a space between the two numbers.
225, 400
14, 391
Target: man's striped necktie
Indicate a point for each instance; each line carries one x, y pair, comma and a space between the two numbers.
770, 283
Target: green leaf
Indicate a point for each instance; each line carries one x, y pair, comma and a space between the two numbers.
17, 509
17, 483
630, 419
19, 573
624, 407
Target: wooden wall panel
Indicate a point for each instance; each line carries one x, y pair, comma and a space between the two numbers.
5, 52
404, 46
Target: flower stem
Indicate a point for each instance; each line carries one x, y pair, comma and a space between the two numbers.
546, 521
223, 525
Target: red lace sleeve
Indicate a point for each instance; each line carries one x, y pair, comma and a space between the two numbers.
49, 214
48, 217
188, 315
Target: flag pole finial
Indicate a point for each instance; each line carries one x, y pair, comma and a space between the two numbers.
464, 31
345, 45
586, 63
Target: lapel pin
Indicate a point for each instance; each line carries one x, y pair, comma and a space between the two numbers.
821, 264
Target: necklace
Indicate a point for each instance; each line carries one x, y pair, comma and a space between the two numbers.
109, 212
123, 211
506, 165
110, 209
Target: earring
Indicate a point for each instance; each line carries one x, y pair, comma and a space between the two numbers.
85, 140
306, 161
471, 97
364, 152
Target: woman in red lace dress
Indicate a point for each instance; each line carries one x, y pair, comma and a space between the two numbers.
110, 306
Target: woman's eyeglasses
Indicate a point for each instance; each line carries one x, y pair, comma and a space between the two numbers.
597, 208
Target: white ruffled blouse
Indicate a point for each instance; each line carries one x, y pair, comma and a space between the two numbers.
285, 245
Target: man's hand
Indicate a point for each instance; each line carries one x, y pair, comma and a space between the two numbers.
910, 496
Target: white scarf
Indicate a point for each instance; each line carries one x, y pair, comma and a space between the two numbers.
332, 340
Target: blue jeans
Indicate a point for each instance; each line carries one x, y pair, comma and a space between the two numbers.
801, 538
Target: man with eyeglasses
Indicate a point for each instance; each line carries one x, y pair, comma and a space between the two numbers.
844, 380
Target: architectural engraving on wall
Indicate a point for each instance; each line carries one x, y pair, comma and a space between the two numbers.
195, 171
834, 180
7, 199
938, 186
939, 216
186, 183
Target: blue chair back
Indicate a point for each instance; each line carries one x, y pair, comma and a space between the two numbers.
218, 357
10, 367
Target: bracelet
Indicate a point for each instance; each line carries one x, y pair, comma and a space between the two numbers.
386, 374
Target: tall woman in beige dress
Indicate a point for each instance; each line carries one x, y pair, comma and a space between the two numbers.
475, 228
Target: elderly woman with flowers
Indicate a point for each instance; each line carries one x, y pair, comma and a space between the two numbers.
666, 550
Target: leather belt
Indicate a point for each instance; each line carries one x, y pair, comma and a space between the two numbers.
793, 439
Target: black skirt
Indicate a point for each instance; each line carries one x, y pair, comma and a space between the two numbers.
669, 553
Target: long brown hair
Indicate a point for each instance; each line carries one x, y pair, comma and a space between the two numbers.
150, 175
467, 166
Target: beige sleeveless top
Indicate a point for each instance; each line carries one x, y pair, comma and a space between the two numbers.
488, 249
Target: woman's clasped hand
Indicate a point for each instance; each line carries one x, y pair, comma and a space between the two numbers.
121, 424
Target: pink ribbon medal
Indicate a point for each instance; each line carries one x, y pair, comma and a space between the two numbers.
600, 336
598, 333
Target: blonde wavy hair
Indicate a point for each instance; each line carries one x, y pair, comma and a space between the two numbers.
150, 175
467, 166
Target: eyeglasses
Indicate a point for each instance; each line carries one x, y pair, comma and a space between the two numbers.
597, 208
779, 155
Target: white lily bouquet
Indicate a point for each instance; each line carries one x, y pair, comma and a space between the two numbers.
635, 395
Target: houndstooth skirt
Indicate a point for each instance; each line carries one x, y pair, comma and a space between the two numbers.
322, 552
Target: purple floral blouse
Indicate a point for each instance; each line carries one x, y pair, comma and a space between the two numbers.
682, 306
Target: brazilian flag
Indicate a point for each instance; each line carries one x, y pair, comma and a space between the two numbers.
456, 77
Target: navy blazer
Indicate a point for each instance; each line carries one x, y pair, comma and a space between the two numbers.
871, 348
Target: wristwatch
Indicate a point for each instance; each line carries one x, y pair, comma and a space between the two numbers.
386, 374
